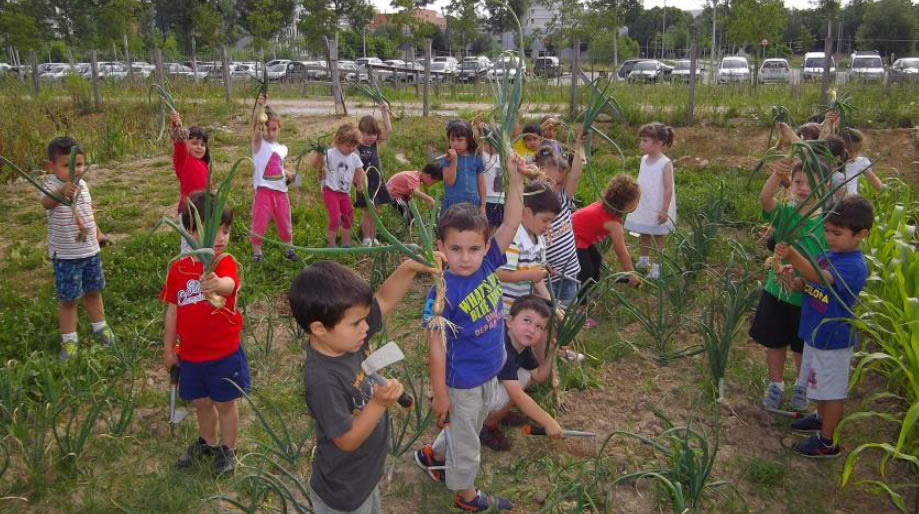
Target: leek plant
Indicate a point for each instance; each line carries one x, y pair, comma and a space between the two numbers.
282, 442
291, 492
167, 104
72, 435
406, 426
119, 423
372, 90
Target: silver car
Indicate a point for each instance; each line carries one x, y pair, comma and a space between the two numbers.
734, 69
866, 67
905, 70
681, 73
775, 71
647, 71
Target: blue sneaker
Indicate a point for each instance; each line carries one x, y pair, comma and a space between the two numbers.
482, 502
807, 424
291, 255
799, 398
815, 447
773, 397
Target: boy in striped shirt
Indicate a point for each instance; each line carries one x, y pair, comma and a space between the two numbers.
73, 245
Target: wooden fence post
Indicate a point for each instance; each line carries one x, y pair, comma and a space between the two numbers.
227, 88
35, 87
332, 48
160, 72
575, 68
427, 78
692, 82
94, 69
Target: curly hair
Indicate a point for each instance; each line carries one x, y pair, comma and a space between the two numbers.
621, 191
658, 132
346, 135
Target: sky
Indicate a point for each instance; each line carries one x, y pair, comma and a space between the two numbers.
438, 5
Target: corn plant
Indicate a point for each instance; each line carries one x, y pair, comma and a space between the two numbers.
282, 442
167, 104
208, 226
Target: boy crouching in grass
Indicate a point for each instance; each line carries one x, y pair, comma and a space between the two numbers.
526, 329
213, 366
340, 313
825, 326
73, 245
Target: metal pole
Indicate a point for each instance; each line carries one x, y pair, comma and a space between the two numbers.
194, 57
425, 97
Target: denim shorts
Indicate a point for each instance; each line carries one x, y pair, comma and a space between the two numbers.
75, 277
565, 289
206, 379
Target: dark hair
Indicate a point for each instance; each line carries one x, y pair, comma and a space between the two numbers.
852, 212
837, 146
809, 131
199, 133
532, 128
460, 128
324, 291
539, 197
547, 156
531, 302
196, 199
434, 170
620, 192
462, 217
61, 145
658, 132
368, 125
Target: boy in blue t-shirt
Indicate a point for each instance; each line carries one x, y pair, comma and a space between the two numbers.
464, 370
825, 329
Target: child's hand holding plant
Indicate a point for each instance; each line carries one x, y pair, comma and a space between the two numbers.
175, 119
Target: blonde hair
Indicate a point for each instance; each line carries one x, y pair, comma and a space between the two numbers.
346, 135
853, 139
273, 115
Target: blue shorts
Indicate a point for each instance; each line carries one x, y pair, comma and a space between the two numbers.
75, 277
206, 379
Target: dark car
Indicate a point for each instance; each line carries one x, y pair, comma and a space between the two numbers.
626, 68
547, 67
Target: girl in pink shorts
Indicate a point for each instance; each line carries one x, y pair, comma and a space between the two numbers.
342, 169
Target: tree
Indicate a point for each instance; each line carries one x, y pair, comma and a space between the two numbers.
498, 19
19, 30
796, 32
263, 19
754, 20
462, 23
885, 22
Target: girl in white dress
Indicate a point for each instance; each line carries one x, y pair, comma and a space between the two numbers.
656, 212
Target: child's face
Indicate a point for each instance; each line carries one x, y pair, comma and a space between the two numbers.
196, 147
369, 139
842, 239
531, 141
536, 223
465, 250
426, 179
346, 148
348, 335
527, 328
220, 242
649, 145
60, 166
459, 143
800, 186
272, 129
548, 131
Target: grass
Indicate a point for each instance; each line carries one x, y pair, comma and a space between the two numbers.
133, 470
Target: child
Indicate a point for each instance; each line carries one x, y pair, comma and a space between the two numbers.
494, 185
525, 271
548, 123
341, 169
825, 325
341, 314
655, 215
270, 181
603, 219
526, 330
403, 186
857, 165
190, 160
463, 169
776, 322
528, 143
371, 135
463, 370
73, 245
561, 250
213, 367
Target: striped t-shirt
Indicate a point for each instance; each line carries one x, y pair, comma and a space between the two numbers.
63, 229
561, 251
523, 254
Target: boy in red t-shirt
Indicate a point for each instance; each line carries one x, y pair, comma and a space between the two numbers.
211, 349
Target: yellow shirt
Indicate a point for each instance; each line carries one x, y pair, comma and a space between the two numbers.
521, 148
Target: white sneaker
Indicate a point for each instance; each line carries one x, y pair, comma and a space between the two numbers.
367, 242
376, 242
655, 272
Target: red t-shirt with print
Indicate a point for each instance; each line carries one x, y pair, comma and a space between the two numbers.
205, 333
191, 172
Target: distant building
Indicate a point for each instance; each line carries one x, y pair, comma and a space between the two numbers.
425, 15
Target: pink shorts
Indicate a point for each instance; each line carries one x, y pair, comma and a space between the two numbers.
267, 204
338, 205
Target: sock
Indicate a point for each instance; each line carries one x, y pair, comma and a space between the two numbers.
780, 385
644, 260
98, 325
824, 440
256, 250
70, 337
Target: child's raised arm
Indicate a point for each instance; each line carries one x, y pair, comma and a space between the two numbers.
577, 168
387, 124
781, 170
513, 206
394, 288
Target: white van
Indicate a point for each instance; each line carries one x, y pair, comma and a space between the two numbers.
734, 69
813, 66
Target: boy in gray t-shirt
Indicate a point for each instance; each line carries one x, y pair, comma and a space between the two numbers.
340, 313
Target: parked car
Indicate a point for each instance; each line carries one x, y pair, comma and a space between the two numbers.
369, 64
866, 67
178, 69
398, 70
142, 68
734, 69
813, 67
650, 70
774, 71
5, 68
351, 72
472, 70
681, 72
547, 67
905, 70
59, 72
626, 67
508, 62
445, 70
278, 70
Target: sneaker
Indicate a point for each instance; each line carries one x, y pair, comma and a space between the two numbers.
512, 419
367, 242
494, 438
425, 460
291, 255
224, 460
376, 242
642, 265
590, 323
482, 502
799, 398
199, 449
105, 336
572, 355
655, 272
807, 424
68, 350
773, 397
257, 258
815, 447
